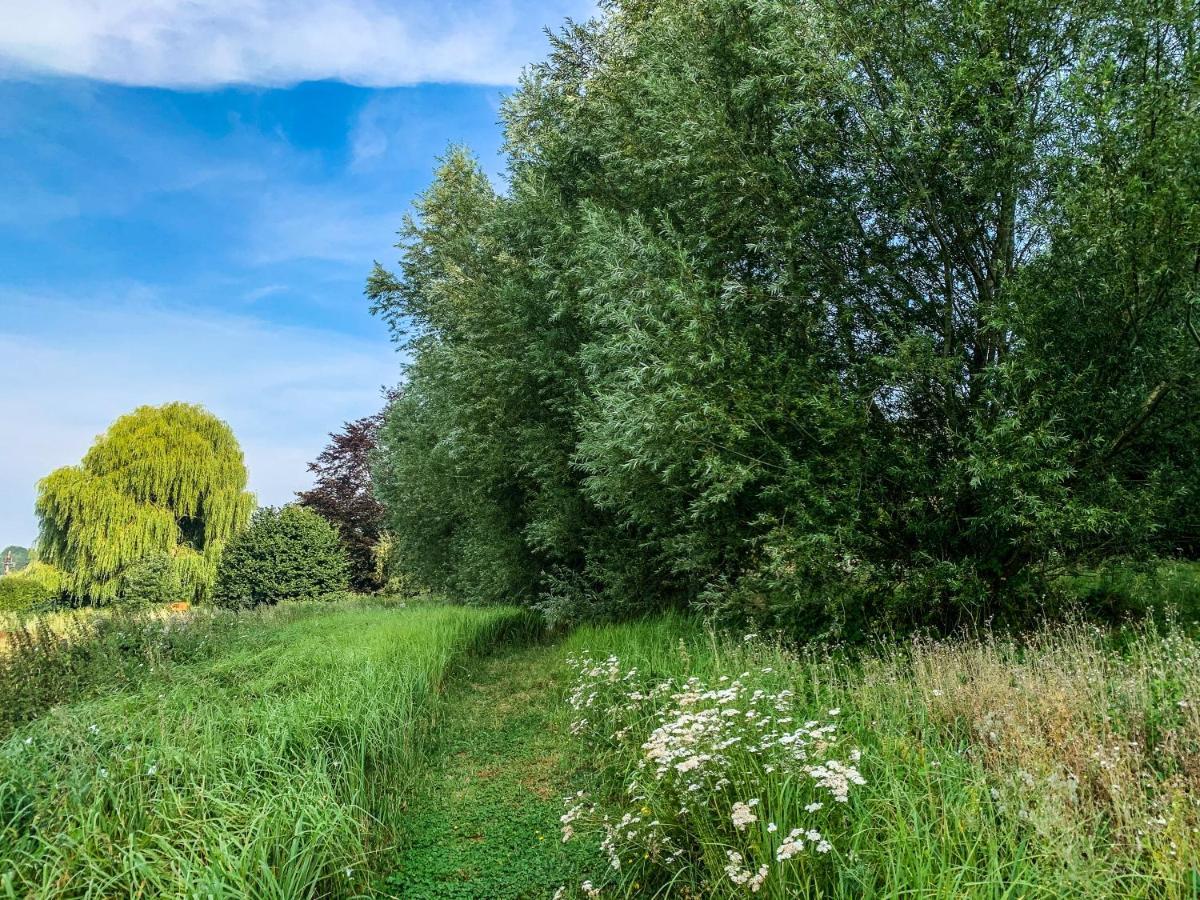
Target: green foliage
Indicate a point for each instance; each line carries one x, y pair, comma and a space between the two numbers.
19, 556
21, 594
36, 587
281, 769
162, 480
1129, 592
836, 315
286, 554
153, 579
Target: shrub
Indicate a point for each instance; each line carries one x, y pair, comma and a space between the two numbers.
20, 594
151, 580
286, 554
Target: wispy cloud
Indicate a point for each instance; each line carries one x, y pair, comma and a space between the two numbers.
202, 43
69, 367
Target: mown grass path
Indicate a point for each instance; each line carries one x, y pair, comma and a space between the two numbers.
486, 824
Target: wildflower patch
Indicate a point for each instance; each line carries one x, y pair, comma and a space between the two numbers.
731, 768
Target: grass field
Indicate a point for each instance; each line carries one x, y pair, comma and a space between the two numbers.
440, 753
279, 768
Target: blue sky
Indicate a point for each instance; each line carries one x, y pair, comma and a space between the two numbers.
193, 192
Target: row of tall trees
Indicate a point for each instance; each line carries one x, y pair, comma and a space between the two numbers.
833, 311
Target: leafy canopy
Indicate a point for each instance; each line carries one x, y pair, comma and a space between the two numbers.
829, 312
162, 480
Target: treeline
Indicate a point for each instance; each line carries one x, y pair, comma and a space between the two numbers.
831, 312
158, 512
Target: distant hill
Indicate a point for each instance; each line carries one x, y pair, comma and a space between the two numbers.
20, 556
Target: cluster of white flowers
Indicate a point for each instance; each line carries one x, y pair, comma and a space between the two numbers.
743, 814
836, 778
696, 748
794, 843
743, 877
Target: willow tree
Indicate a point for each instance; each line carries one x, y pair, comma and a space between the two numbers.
162, 480
829, 311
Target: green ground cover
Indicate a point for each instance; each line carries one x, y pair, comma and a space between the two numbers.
485, 820
280, 768
1062, 764
432, 753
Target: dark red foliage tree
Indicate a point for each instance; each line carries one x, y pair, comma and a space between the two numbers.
343, 494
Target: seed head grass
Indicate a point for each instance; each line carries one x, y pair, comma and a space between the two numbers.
1061, 764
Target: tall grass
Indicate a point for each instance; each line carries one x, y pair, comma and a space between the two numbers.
60, 657
278, 768
1065, 764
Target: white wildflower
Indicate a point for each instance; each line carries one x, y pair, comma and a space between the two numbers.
755, 884
742, 816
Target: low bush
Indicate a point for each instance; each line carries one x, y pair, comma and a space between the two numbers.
286, 554
20, 594
151, 580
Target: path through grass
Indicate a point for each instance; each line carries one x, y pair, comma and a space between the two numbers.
486, 824
277, 770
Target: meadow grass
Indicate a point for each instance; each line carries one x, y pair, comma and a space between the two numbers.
1062, 764
70, 655
279, 767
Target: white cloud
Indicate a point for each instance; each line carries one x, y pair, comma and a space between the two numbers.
203, 43
71, 367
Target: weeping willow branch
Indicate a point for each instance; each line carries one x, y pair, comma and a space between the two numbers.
162, 480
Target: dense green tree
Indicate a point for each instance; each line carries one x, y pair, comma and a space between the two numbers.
290, 553
833, 312
162, 480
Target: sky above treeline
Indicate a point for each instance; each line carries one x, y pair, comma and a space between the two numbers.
193, 193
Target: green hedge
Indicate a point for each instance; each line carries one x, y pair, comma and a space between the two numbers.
19, 594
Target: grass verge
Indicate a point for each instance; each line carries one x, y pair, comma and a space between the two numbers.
278, 768
1066, 764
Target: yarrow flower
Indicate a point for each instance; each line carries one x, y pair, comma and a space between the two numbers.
696, 747
742, 816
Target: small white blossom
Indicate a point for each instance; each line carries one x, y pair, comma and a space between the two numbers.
742, 816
